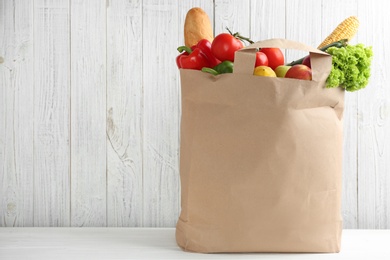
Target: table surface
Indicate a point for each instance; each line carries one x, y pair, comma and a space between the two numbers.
157, 243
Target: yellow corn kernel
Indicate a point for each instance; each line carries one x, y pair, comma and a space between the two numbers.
345, 30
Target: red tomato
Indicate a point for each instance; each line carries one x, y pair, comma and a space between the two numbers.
261, 59
225, 45
275, 57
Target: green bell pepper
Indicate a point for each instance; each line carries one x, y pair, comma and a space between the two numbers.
224, 67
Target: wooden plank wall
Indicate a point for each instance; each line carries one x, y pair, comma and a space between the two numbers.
90, 106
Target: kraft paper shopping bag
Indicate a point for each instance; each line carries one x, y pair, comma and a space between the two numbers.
261, 159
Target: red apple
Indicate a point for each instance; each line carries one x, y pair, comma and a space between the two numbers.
306, 61
299, 71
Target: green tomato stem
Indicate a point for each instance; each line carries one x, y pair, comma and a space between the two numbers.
239, 36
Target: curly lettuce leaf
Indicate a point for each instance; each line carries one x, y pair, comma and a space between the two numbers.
350, 67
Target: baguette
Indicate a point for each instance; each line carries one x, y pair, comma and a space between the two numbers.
197, 26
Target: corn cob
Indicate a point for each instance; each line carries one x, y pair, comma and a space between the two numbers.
345, 30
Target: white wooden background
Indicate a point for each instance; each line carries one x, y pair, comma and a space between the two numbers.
90, 106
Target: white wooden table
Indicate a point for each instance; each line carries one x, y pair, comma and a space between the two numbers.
156, 243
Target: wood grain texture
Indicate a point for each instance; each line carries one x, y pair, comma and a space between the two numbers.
374, 120
350, 188
124, 113
161, 113
303, 24
16, 113
232, 14
88, 113
264, 24
51, 113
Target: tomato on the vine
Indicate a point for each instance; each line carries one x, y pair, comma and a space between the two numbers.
275, 57
261, 59
225, 45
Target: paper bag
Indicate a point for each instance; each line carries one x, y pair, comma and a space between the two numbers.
260, 159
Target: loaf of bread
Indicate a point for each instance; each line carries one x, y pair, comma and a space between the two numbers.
197, 26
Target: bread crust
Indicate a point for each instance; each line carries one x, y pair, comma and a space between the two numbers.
197, 26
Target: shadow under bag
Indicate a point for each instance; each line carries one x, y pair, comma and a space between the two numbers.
261, 159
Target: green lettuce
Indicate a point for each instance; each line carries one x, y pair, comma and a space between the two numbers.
350, 67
